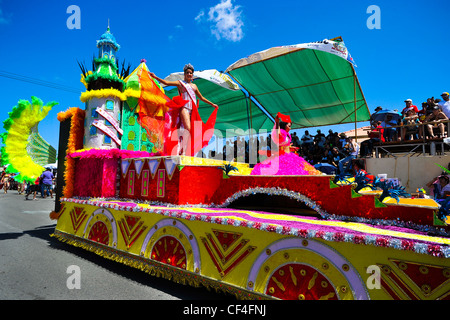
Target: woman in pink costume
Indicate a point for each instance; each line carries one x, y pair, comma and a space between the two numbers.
285, 162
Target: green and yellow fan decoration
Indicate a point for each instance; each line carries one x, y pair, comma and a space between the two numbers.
24, 150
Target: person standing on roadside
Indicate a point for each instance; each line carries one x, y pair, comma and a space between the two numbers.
47, 181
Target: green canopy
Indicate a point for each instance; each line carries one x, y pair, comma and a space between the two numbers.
237, 112
314, 83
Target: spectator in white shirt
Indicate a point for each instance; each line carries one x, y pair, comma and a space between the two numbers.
445, 104
307, 140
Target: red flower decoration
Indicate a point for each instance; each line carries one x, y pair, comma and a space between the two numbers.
339, 236
320, 234
408, 245
382, 242
358, 239
303, 233
286, 230
435, 250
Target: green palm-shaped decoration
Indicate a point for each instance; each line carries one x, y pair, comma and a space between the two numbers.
227, 168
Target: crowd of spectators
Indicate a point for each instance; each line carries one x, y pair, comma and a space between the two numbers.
335, 149
339, 150
430, 122
44, 184
427, 123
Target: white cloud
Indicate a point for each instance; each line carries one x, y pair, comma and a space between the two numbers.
226, 19
176, 32
200, 16
4, 18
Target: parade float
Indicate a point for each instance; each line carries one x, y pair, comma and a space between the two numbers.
205, 222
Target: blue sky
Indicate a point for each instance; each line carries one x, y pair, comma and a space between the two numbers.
406, 58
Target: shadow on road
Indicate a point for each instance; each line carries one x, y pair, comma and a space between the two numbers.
40, 232
10, 235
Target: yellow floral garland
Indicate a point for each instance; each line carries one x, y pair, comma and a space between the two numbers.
102, 93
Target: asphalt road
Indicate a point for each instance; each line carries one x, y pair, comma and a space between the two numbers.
34, 265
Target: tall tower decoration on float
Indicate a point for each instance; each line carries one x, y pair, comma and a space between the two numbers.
104, 96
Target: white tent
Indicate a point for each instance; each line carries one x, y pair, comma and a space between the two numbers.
51, 166
212, 75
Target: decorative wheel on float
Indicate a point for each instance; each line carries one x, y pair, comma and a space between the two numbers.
297, 281
170, 251
296, 269
172, 243
101, 228
99, 233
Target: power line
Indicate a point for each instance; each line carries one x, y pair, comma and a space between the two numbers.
38, 82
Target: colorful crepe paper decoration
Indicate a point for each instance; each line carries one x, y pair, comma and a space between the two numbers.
304, 227
18, 128
96, 170
110, 154
75, 142
201, 134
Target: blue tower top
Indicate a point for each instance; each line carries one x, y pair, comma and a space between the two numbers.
107, 39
